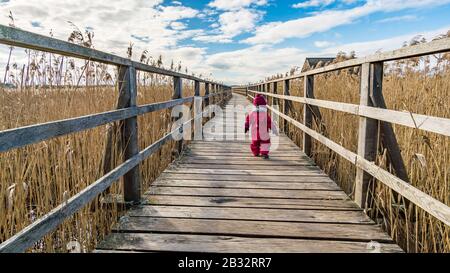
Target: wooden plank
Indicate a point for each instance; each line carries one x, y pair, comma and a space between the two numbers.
19, 137
255, 178
255, 214
319, 231
371, 79
244, 153
242, 168
245, 166
323, 185
256, 193
233, 244
230, 162
273, 148
101, 251
247, 172
421, 199
246, 202
307, 114
273, 158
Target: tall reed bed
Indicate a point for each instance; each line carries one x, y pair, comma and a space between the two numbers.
419, 85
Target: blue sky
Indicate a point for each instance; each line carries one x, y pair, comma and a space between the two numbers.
237, 41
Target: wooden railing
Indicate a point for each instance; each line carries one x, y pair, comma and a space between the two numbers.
128, 112
372, 114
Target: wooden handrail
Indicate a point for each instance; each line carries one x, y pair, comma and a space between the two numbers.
427, 123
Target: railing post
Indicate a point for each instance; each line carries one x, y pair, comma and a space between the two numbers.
207, 94
371, 76
307, 113
197, 88
274, 91
178, 94
130, 145
286, 104
198, 112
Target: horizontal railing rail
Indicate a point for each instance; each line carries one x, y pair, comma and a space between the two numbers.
373, 115
127, 112
427, 123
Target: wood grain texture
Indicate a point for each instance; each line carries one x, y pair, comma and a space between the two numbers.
258, 228
248, 202
255, 214
232, 244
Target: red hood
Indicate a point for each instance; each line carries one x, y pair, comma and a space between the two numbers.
259, 100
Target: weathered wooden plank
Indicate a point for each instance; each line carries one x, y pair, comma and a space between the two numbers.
270, 229
241, 150
244, 166
101, 251
322, 185
273, 158
421, 199
256, 214
244, 153
256, 193
246, 202
19, 137
240, 168
230, 162
256, 178
299, 172
232, 244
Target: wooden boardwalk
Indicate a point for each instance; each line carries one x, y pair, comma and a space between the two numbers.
218, 198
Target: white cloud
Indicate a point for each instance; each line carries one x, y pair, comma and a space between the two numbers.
277, 32
148, 24
260, 61
321, 3
313, 3
323, 44
232, 24
406, 18
253, 63
235, 4
369, 47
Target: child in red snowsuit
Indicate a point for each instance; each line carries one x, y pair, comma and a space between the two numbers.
260, 122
